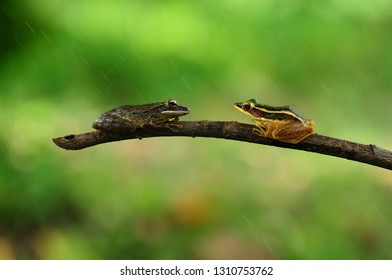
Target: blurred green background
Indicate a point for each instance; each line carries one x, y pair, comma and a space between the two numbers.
63, 63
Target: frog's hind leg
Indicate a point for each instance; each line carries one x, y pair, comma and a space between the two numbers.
293, 133
117, 125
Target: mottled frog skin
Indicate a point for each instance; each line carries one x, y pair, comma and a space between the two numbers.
128, 118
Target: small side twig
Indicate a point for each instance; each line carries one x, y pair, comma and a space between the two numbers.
232, 130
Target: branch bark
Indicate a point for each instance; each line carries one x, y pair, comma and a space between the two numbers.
232, 130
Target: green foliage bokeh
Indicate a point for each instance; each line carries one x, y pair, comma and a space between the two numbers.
65, 62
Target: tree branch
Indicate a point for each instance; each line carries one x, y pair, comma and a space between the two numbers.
369, 154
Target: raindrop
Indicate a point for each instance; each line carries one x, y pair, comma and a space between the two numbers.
247, 221
85, 61
267, 243
119, 70
103, 75
29, 26
225, 29
17, 40
323, 86
381, 79
46, 36
137, 53
186, 83
387, 251
174, 64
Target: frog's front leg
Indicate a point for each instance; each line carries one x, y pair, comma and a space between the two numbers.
173, 126
118, 125
260, 130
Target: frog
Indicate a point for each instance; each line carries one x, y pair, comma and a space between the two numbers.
281, 123
128, 118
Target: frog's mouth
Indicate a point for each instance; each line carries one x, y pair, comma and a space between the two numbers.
175, 113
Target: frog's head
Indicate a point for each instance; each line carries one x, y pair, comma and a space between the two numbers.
247, 107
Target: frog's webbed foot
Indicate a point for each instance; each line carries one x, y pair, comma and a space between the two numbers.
259, 131
172, 125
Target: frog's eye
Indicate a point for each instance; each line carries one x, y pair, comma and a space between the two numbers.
172, 103
246, 106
